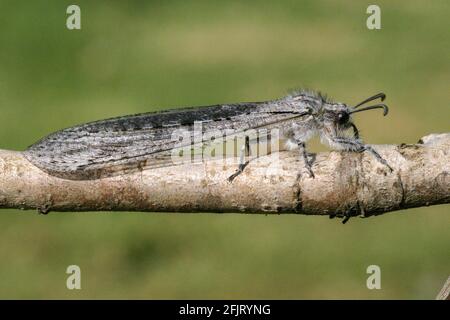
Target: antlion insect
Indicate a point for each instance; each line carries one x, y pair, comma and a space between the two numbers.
120, 145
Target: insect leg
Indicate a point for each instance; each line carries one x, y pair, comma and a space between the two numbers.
346, 217
358, 146
355, 131
245, 149
378, 157
304, 154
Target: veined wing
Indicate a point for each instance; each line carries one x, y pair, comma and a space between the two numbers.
126, 144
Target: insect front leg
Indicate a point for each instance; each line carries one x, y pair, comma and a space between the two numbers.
355, 131
245, 149
358, 146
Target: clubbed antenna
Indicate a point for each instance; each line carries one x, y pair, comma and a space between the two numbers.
380, 95
377, 106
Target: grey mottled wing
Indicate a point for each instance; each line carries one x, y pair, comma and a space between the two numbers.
125, 144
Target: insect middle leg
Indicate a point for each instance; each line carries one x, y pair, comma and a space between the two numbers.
304, 154
245, 149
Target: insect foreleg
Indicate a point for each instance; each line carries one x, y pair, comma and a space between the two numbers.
358, 146
378, 157
355, 131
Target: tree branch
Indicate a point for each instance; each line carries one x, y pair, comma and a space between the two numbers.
345, 184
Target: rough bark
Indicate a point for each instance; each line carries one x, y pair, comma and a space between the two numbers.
344, 184
444, 294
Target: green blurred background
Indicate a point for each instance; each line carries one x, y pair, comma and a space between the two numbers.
138, 56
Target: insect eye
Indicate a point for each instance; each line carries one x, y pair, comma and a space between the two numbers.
343, 117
